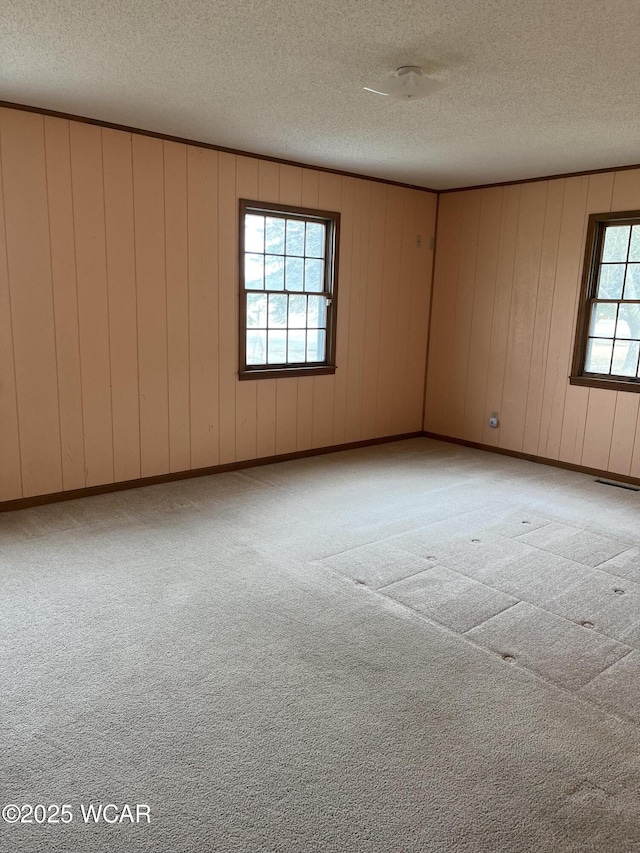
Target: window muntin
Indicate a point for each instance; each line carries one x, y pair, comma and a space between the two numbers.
287, 315
608, 335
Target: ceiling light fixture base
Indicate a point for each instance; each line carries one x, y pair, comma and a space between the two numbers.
407, 83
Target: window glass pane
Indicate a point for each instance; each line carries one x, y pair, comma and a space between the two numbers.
628, 321
295, 237
634, 249
625, 358
598, 355
313, 275
603, 320
274, 236
616, 243
294, 273
253, 233
274, 273
632, 282
297, 312
277, 347
314, 246
256, 310
296, 346
277, 311
253, 272
317, 312
284, 274
315, 345
611, 281
256, 347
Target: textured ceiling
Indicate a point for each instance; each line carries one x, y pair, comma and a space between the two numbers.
537, 87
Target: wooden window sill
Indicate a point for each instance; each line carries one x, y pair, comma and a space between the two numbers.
608, 384
286, 372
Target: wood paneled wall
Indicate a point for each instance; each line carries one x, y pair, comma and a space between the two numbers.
118, 309
507, 274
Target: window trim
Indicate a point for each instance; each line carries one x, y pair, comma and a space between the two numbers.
289, 211
593, 253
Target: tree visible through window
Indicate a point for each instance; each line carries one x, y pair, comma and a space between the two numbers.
288, 290
608, 334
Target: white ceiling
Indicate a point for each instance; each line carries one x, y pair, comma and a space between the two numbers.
537, 87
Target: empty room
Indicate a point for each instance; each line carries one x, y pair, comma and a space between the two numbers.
320, 427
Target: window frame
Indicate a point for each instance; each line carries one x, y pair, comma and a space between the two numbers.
287, 211
592, 260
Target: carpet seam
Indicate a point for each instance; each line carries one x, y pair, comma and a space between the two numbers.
530, 673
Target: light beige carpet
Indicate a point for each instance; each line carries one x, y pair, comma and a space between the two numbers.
410, 648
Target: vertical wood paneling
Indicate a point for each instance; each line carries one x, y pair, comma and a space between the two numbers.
475, 413
118, 313
148, 189
227, 305
625, 191
31, 294
389, 310
542, 321
202, 207
93, 301
10, 469
420, 298
537, 266
635, 456
377, 223
123, 311
177, 278
556, 386
501, 310
246, 391
598, 430
441, 343
524, 292
409, 229
65, 300
329, 198
625, 421
357, 309
576, 404
268, 190
464, 303
119, 299
347, 206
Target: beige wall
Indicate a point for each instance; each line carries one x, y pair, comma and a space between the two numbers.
507, 274
118, 309
118, 313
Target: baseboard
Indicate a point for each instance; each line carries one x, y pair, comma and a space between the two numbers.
542, 460
73, 494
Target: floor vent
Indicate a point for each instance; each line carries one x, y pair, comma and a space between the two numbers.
618, 485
